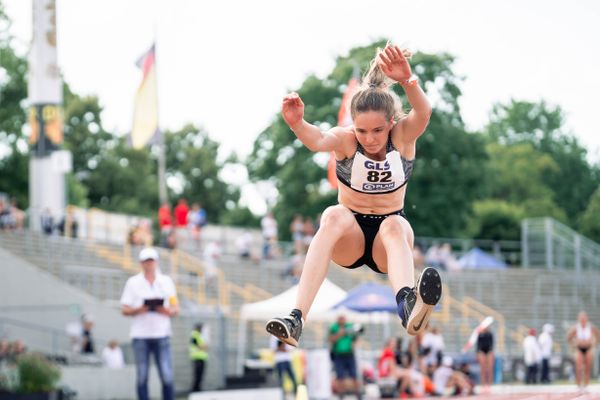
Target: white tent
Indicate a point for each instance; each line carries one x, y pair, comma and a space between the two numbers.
328, 296
321, 310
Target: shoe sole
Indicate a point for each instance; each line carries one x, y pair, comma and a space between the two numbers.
281, 332
429, 293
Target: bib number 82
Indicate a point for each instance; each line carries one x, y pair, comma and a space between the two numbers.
376, 176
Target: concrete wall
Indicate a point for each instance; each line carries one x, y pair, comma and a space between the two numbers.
31, 295
99, 383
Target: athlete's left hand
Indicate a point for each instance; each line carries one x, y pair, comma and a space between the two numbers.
394, 64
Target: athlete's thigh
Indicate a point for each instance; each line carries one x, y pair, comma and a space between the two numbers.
351, 246
379, 253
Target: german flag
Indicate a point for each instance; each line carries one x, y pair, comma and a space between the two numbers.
145, 113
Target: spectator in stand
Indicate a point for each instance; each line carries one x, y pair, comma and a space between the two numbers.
193, 224
532, 356
433, 345
171, 240
269, 232
485, 357
308, 233
297, 230
211, 255
112, 356
283, 361
317, 222
433, 256
47, 222
135, 236
447, 258
68, 225
418, 256
18, 215
151, 300
180, 212
145, 232
202, 221
87, 345
243, 245
294, 267
4, 349
6, 218
165, 220
17, 348
546, 342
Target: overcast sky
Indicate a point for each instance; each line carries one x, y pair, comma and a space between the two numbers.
225, 65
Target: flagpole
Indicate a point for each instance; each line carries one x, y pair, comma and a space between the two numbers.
162, 162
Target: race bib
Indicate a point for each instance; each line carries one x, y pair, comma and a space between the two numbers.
370, 176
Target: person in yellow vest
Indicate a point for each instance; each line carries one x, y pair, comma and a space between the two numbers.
198, 355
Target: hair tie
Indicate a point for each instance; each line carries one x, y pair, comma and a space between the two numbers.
372, 86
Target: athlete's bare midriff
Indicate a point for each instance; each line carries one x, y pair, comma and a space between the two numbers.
371, 203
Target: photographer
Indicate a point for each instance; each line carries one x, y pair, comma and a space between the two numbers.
342, 337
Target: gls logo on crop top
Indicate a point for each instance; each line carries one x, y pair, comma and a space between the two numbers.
379, 176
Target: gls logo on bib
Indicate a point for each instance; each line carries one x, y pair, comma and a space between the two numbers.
370, 176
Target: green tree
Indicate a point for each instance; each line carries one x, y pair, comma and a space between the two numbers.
496, 220
84, 135
192, 158
574, 180
124, 180
516, 174
590, 219
86, 139
14, 165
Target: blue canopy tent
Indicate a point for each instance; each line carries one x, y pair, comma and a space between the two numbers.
479, 259
373, 298
370, 297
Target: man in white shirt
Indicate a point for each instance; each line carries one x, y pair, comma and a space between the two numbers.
533, 355
151, 300
545, 341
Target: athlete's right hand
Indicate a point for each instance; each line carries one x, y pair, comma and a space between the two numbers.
292, 109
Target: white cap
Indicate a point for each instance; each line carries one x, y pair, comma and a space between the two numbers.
447, 361
87, 318
148, 254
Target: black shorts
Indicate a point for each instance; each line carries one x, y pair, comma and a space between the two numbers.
369, 224
583, 349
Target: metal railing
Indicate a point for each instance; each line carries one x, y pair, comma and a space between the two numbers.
550, 244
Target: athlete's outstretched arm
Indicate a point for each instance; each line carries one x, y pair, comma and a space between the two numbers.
312, 137
395, 65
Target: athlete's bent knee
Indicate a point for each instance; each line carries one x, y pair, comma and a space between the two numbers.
336, 218
393, 227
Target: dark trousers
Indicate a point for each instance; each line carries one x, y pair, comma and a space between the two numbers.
198, 374
545, 370
531, 376
286, 367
